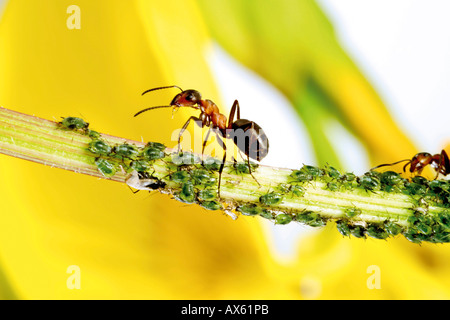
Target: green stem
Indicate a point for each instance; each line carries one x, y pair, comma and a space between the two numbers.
375, 204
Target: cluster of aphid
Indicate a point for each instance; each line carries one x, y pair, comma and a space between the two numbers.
189, 179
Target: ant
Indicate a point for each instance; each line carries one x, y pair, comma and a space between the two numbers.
256, 144
439, 162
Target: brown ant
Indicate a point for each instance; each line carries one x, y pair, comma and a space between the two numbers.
256, 144
439, 162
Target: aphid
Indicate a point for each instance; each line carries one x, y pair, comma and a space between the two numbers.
310, 218
439, 162
140, 165
283, 218
211, 205
368, 182
306, 173
392, 228
358, 231
376, 232
250, 209
127, 151
180, 176
143, 181
153, 151
106, 168
202, 177
207, 194
352, 212
187, 193
343, 228
256, 144
74, 123
99, 147
271, 198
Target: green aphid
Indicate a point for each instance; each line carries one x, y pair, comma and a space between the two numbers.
392, 228
343, 228
424, 228
443, 218
376, 232
140, 165
332, 186
352, 212
211, 205
418, 186
368, 182
442, 237
99, 147
152, 152
202, 177
185, 158
187, 193
297, 191
390, 181
413, 236
212, 164
267, 214
207, 194
250, 209
348, 177
74, 123
126, 150
283, 218
93, 134
243, 167
306, 173
310, 218
180, 176
333, 173
155, 145
300, 176
358, 232
107, 168
271, 198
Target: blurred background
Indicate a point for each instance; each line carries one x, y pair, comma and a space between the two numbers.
349, 83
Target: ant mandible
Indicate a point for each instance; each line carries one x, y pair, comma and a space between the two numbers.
439, 162
256, 144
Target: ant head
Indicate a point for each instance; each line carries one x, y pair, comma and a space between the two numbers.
187, 98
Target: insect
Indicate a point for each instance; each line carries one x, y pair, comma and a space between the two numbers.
247, 135
144, 181
439, 162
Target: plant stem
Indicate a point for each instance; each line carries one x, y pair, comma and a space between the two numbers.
375, 204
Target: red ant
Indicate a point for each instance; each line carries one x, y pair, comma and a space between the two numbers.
439, 162
255, 147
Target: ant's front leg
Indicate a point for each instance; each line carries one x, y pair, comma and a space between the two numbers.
184, 128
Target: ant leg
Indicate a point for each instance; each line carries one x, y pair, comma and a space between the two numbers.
184, 128
232, 112
222, 165
251, 142
205, 141
444, 164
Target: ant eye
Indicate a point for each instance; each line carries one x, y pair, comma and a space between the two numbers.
190, 97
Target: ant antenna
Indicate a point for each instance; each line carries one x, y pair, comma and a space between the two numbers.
391, 164
159, 88
151, 108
